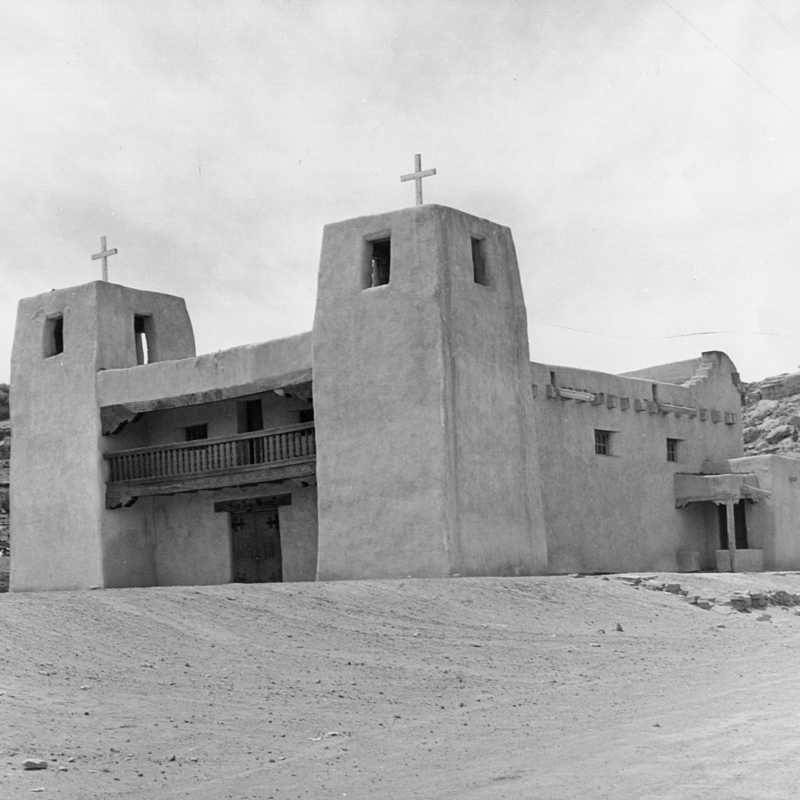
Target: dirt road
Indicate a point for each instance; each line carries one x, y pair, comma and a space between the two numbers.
485, 688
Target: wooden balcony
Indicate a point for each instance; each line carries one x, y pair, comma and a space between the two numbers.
267, 455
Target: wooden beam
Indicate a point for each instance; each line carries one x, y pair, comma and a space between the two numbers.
121, 493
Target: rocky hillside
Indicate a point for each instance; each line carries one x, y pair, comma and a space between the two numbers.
771, 416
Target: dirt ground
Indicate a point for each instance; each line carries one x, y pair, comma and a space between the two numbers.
467, 688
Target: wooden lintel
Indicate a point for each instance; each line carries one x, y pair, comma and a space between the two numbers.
575, 394
678, 410
123, 493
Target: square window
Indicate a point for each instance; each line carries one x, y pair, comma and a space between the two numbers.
379, 256
672, 449
306, 415
602, 442
195, 432
479, 272
54, 336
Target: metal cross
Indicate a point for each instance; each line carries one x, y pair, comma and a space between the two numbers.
104, 254
417, 176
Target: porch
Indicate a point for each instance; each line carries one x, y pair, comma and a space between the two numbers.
261, 456
730, 494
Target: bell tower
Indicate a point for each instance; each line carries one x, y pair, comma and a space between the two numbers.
61, 531
423, 400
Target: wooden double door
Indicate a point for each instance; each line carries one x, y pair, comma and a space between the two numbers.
256, 546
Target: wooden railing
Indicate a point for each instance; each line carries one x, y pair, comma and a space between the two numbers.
293, 443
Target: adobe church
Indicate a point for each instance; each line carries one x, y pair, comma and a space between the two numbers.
408, 434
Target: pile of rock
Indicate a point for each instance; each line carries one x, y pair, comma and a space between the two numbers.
771, 416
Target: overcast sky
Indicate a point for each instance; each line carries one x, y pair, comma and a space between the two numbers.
645, 153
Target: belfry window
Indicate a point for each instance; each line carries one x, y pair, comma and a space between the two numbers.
54, 336
143, 333
378, 267
479, 273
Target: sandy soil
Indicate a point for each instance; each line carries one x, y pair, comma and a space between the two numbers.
486, 688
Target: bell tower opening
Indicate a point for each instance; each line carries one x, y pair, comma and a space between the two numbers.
54, 335
143, 331
379, 256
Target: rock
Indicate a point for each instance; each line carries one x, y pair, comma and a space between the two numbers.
619, 628
741, 602
750, 435
782, 598
758, 600
763, 618
34, 763
675, 588
778, 433
706, 605
763, 408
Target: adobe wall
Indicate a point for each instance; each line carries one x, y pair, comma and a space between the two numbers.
298, 526
185, 541
609, 513
247, 369
773, 523
192, 541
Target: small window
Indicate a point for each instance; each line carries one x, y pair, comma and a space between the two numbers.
654, 390
195, 432
380, 255
479, 273
54, 336
143, 333
306, 414
602, 442
672, 449
552, 378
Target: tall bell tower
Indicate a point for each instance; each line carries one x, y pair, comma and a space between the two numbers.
423, 401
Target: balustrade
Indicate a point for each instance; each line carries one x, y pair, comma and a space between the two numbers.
277, 446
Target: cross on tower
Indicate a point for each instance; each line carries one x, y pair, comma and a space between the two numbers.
104, 254
417, 176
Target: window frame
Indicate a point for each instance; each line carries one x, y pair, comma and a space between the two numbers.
603, 442
673, 446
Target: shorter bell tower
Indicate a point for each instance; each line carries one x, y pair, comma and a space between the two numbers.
60, 527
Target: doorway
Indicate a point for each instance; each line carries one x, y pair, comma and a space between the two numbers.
740, 522
256, 546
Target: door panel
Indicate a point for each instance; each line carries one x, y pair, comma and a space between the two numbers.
256, 546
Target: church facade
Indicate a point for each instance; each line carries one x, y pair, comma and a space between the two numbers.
408, 434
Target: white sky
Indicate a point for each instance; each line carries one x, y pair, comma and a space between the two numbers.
644, 153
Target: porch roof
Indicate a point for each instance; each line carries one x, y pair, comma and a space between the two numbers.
721, 488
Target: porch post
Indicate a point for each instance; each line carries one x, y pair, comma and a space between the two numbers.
731, 522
